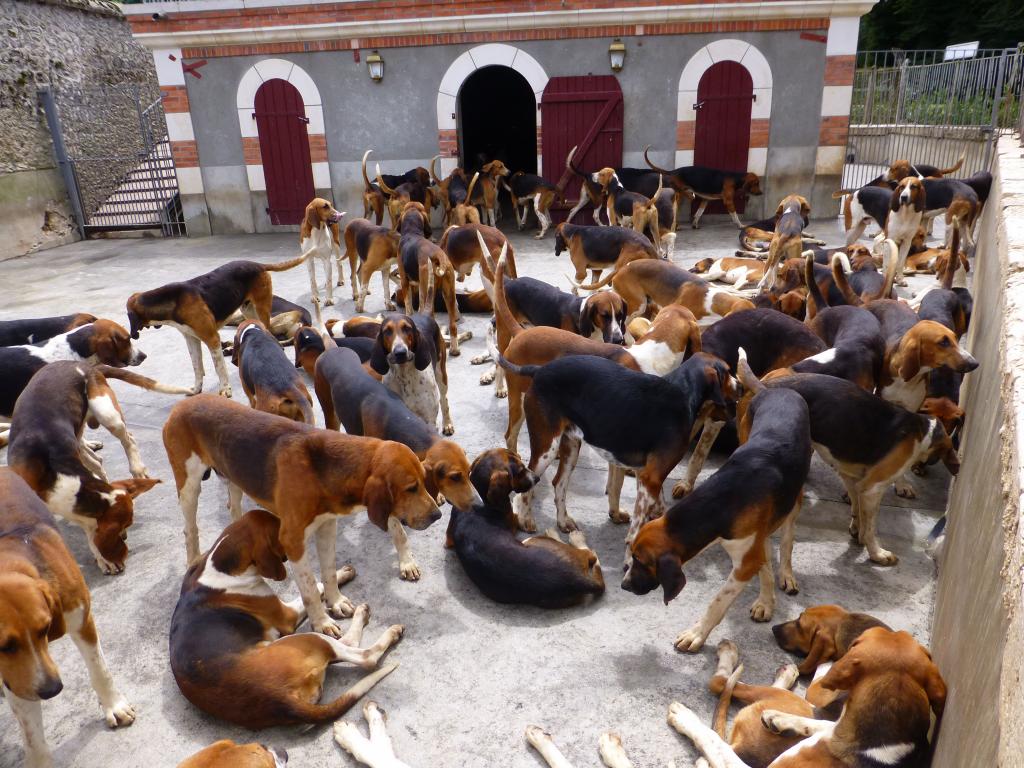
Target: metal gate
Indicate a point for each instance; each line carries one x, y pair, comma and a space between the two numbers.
725, 97
585, 112
931, 107
117, 180
284, 146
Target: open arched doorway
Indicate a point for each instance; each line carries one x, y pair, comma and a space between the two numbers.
497, 120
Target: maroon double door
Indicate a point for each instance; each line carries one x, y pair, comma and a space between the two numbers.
284, 146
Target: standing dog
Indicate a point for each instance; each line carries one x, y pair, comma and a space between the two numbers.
486, 195
787, 242
43, 597
600, 248
630, 209
269, 380
376, 249
906, 208
200, 306
710, 184
526, 188
320, 240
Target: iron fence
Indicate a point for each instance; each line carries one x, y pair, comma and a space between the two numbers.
931, 107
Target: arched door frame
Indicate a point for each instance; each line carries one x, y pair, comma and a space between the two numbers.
489, 55
754, 61
254, 77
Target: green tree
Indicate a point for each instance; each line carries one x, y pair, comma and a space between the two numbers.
916, 24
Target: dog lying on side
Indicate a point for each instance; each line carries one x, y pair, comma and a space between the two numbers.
227, 754
233, 647
542, 570
822, 633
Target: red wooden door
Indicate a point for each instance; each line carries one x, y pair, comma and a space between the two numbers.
284, 146
585, 112
722, 134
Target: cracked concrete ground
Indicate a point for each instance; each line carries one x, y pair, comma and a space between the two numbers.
473, 674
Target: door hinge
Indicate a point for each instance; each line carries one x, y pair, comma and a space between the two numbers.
698, 105
303, 119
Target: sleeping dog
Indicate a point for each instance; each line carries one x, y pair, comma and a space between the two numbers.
542, 570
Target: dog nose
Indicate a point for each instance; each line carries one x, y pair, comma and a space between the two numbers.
138, 356
50, 688
969, 363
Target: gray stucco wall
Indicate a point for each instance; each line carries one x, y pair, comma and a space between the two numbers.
397, 117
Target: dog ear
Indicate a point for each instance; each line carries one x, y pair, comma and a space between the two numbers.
378, 501
920, 198
499, 488
56, 607
421, 349
311, 220
805, 209
379, 355
136, 486
910, 359
935, 689
894, 200
693, 344
670, 575
135, 323
236, 353
778, 211
586, 319
427, 231
268, 554
843, 675
823, 648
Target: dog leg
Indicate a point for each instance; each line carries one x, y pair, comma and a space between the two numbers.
700, 453
699, 213
29, 715
376, 751
613, 488
612, 752
787, 581
692, 640
313, 290
354, 634
903, 487
234, 501
541, 218
764, 605
718, 753
329, 285
188, 499
524, 501
195, 352
302, 575
342, 576
407, 566
385, 278
116, 709
338, 606
786, 677
103, 406
92, 461
736, 219
447, 426
568, 456
365, 658
217, 353
785, 724
540, 740
869, 503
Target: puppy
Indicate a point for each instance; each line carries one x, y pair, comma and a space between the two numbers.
542, 570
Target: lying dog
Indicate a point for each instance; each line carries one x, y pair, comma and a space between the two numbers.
542, 570
733, 270
285, 319
233, 648
35, 330
43, 597
822, 633
227, 754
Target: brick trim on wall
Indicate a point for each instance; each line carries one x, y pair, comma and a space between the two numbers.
317, 148
251, 150
185, 154
406, 41
833, 131
839, 70
175, 98
686, 131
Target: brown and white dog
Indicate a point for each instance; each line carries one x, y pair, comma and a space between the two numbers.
269, 379
822, 633
737, 271
43, 597
462, 246
234, 650
307, 477
787, 242
630, 209
600, 248
905, 211
227, 754
527, 188
199, 307
320, 240
48, 452
376, 249
486, 193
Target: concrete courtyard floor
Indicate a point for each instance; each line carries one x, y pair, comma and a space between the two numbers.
473, 673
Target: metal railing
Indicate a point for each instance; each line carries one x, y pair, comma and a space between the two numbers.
931, 107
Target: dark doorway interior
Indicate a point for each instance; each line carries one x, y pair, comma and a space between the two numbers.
498, 120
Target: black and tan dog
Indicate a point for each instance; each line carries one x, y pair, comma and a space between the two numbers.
269, 380
286, 318
542, 570
630, 209
787, 242
527, 188
757, 491
43, 597
376, 249
600, 248
35, 330
199, 307
233, 648
600, 315
309, 345
48, 452
486, 194
710, 184
374, 199
414, 188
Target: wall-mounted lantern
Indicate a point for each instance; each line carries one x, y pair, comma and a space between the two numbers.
617, 54
375, 64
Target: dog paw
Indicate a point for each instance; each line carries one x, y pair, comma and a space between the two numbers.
787, 675
328, 627
448, 429
119, 713
329, 302
883, 557
390, 306
921, 470
139, 471
904, 489
344, 574
109, 568
480, 360
761, 610
681, 488
618, 517
568, 525
501, 392
776, 722
396, 631
361, 615
787, 583
94, 445
690, 641
527, 524
196, 389
225, 392
341, 609
409, 571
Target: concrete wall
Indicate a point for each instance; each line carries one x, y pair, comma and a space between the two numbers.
397, 117
978, 631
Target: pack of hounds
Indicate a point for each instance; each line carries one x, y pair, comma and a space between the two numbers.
811, 350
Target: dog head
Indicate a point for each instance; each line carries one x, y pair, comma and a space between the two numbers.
228, 754
604, 177
898, 171
448, 471
560, 243
910, 192
945, 410
702, 266
861, 258
938, 446
674, 325
414, 219
399, 342
397, 488
114, 512
110, 342
655, 561
752, 184
794, 204
320, 213
821, 633
496, 474
309, 345
31, 615
246, 327
604, 311
929, 345
251, 542
136, 322
495, 169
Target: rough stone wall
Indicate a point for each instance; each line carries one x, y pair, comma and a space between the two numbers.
84, 51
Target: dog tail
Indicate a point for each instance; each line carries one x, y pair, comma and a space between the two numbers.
433, 173
144, 382
380, 183
890, 269
570, 166
816, 301
724, 699
945, 171
317, 714
469, 190
745, 374
366, 179
283, 266
502, 313
599, 284
953, 264
519, 370
652, 166
839, 277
